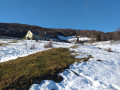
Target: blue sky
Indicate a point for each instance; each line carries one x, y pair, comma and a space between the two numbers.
102, 15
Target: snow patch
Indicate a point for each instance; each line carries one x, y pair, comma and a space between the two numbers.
73, 38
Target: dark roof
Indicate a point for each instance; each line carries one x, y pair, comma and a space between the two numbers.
35, 32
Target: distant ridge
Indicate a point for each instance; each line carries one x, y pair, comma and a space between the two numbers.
19, 31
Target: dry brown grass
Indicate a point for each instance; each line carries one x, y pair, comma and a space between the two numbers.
23, 72
13, 42
1, 44
74, 46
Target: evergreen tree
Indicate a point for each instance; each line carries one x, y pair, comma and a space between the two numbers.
98, 37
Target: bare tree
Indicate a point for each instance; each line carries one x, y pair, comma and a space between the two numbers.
92, 37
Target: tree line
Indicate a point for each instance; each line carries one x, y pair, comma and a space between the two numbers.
20, 30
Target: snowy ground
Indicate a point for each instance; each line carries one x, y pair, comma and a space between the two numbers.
73, 38
102, 72
113, 45
91, 75
23, 48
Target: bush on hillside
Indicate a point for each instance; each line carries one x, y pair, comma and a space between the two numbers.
48, 45
109, 50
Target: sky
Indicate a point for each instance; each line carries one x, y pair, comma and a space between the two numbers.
100, 15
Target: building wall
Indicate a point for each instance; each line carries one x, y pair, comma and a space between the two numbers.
29, 35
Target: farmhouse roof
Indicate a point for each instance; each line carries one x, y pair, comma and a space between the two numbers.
34, 32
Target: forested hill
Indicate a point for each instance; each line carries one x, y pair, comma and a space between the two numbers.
20, 30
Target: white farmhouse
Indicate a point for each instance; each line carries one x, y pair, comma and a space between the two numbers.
32, 35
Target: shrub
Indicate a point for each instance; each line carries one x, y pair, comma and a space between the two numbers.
99, 60
48, 45
36, 40
33, 47
109, 50
98, 37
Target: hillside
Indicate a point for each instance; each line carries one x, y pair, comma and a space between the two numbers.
101, 72
27, 64
20, 30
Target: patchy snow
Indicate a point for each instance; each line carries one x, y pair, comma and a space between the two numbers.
66, 38
24, 47
6, 40
73, 38
90, 75
113, 45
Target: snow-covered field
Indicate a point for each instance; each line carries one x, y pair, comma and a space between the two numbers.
23, 48
113, 45
92, 75
102, 72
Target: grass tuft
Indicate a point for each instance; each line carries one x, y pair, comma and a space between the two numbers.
85, 59
1, 44
13, 42
74, 47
